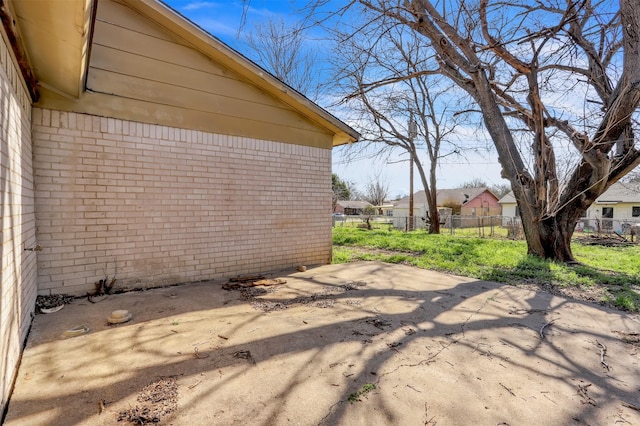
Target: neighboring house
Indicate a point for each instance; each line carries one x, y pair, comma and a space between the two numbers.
509, 206
351, 207
420, 206
618, 204
386, 209
136, 145
620, 201
463, 201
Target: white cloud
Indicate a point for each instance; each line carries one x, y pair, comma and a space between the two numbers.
219, 27
196, 5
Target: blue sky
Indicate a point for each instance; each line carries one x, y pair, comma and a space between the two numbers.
223, 19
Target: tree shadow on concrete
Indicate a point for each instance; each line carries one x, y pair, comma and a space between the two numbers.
413, 334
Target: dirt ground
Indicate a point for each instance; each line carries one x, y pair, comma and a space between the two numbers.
357, 344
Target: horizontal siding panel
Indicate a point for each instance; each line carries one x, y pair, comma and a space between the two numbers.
140, 44
125, 17
153, 113
168, 94
121, 62
121, 59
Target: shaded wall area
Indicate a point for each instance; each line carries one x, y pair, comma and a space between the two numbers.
18, 275
155, 205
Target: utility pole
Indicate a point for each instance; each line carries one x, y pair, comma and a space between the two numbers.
413, 131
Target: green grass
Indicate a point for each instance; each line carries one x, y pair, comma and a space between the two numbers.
615, 270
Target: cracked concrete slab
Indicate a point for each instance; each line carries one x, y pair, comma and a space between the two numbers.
355, 344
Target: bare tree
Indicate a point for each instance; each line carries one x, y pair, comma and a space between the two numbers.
356, 193
284, 51
500, 189
474, 183
376, 191
557, 83
393, 103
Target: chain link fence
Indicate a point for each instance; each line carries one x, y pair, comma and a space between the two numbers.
483, 226
626, 228
492, 226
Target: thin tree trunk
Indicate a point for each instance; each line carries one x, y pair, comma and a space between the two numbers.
430, 193
434, 215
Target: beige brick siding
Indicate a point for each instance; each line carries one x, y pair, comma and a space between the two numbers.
156, 205
18, 278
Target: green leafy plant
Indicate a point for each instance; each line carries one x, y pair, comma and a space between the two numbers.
355, 396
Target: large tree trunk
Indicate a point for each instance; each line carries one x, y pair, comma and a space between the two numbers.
549, 212
550, 238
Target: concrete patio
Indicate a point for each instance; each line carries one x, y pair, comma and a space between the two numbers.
361, 343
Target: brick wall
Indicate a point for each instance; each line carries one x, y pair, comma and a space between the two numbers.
18, 276
156, 205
